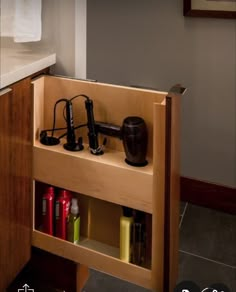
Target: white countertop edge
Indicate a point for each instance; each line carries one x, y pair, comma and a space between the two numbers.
27, 70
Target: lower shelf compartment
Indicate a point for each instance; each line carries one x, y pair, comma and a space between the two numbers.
100, 247
99, 243
94, 254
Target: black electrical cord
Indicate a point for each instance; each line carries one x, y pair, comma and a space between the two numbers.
55, 129
78, 95
77, 127
54, 114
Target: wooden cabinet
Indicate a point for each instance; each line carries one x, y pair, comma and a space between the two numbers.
15, 179
103, 184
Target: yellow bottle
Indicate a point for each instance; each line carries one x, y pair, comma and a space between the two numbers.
126, 222
73, 227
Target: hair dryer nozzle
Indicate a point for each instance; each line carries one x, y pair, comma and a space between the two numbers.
135, 138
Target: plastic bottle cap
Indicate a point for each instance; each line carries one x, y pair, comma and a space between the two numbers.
64, 193
74, 207
50, 190
127, 212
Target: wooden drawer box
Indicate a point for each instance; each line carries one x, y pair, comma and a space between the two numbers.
105, 183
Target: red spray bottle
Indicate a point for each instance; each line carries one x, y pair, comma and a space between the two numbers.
62, 212
48, 210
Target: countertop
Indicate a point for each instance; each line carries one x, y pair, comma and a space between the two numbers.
17, 64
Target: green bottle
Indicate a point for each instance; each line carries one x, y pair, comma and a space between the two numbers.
73, 227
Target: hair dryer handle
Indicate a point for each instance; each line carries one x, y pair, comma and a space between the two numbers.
109, 129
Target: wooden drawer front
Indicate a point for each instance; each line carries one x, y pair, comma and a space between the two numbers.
93, 177
95, 259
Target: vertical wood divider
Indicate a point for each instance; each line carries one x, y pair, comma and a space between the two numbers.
167, 197
172, 189
174, 185
158, 196
82, 274
38, 107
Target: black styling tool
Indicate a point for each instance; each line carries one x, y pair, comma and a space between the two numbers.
92, 132
71, 144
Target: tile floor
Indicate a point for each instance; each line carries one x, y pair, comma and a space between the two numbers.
207, 252
207, 247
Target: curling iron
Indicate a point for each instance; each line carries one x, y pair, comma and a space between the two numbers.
71, 143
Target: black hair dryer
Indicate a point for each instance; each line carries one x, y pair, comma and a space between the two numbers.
133, 132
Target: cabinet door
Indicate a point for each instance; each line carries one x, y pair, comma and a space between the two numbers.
15, 180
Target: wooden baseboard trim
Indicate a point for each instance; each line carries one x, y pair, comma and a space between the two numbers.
209, 195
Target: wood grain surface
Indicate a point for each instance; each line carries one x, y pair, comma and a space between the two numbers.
15, 179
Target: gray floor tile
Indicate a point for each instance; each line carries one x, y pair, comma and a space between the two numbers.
106, 283
204, 272
182, 207
180, 221
209, 233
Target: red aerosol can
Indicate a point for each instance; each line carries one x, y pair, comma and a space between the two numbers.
62, 212
48, 210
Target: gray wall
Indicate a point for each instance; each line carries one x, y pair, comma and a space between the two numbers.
150, 43
58, 17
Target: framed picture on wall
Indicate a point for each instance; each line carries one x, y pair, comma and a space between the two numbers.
210, 8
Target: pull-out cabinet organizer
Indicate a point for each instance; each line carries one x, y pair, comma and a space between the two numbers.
105, 183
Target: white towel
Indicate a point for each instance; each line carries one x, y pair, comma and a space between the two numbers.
21, 19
